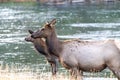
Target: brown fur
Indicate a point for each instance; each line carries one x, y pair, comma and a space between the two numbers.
41, 48
77, 55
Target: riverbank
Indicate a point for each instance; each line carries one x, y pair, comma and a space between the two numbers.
25, 72
29, 75
34, 76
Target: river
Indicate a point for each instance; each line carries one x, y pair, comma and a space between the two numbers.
94, 22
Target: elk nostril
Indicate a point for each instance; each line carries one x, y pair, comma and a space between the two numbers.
26, 39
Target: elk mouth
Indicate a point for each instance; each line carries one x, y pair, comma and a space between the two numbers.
28, 40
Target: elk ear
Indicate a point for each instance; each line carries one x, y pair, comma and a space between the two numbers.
47, 22
30, 31
53, 22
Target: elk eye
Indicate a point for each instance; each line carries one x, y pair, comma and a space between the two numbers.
43, 29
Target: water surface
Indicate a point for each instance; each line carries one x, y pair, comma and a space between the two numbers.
93, 22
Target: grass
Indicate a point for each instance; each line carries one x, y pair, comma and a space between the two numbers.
5, 75
26, 72
16, 74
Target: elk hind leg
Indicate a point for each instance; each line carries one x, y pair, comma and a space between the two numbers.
115, 68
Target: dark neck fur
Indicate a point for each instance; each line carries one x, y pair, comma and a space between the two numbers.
39, 46
54, 44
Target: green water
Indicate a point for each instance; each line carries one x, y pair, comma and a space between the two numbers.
73, 21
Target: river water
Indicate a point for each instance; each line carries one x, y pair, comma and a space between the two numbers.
93, 22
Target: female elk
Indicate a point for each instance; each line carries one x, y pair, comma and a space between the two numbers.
78, 55
41, 48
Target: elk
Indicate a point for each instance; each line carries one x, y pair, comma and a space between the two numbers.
81, 55
41, 47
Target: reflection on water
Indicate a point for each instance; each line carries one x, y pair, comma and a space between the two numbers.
73, 21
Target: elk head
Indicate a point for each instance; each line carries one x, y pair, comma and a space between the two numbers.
46, 31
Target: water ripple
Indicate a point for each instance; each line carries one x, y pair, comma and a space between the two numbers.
104, 25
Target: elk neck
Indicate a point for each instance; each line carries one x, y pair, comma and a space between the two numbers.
40, 46
54, 45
